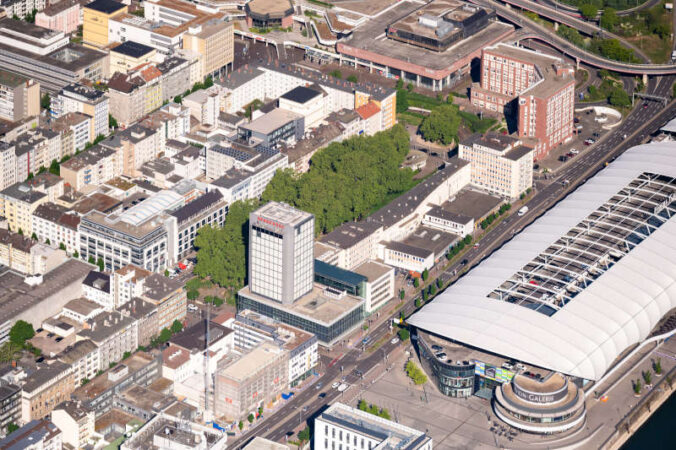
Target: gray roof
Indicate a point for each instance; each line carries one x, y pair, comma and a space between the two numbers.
194, 337
98, 280
350, 233
442, 213
82, 306
23, 192
74, 409
491, 139
517, 153
28, 435
45, 373
406, 203
239, 77
104, 325
158, 286
199, 205
77, 351
137, 308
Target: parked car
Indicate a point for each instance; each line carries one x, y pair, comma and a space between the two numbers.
394, 340
563, 158
574, 151
335, 385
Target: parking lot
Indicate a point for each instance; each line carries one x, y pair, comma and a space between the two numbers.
587, 128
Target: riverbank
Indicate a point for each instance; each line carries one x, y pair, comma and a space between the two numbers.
658, 433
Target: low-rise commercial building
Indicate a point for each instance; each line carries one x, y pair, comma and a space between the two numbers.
463, 212
310, 102
130, 54
245, 383
343, 425
19, 97
351, 244
251, 329
269, 14
276, 127
500, 164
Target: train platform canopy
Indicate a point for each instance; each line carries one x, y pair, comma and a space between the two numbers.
590, 278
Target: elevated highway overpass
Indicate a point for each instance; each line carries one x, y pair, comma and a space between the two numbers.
533, 30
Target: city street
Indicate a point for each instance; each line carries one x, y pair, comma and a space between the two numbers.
647, 118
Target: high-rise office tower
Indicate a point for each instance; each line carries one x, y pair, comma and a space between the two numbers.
281, 256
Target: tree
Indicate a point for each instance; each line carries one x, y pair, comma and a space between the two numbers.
385, 414
304, 434
240, 425
609, 19
589, 11
20, 231
441, 125
165, 335
415, 373
91, 260
76, 254
402, 100
425, 295
400, 83
20, 332
425, 275
403, 334
336, 74
250, 418
45, 101
410, 87
166, 272
637, 387
433, 290
619, 97
12, 427
417, 302
112, 364
439, 283
84, 381
402, 294
100, 263
221, 254
176, 327
34, 236
192, 295
48, 242
363, 406
178, 99
260, 411
416, 282
62, 246
126, 355
55, 168
352, 78
112, 122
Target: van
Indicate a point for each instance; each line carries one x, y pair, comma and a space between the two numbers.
523, 211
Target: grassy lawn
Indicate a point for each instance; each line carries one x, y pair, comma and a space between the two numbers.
410, 118
658, 50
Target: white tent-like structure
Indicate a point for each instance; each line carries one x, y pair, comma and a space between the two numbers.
591, 277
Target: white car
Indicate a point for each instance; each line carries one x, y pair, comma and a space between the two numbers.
394, 340
574, 152
343, 387
192, 307
335, 385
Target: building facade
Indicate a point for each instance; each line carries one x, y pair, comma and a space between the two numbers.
86, 100
19, 97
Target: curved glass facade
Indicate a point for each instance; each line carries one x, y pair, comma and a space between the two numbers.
454, 380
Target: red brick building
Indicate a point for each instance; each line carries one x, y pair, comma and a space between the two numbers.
542, 85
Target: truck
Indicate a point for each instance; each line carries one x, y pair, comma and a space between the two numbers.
523, 211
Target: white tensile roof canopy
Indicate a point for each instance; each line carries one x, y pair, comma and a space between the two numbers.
588, 279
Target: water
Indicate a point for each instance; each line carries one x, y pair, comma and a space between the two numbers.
658, 432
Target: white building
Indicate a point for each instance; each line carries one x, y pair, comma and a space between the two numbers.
84, 358
501, 164
97, 287
75, 422
309, 102
251, 329
114, 334
341, 426
379, 286
204, 106
81, 310
85, 100
21, 8
281, 261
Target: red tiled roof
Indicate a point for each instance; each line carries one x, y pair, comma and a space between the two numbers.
368, 110
174, 357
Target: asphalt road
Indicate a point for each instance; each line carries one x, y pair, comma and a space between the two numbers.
641, 123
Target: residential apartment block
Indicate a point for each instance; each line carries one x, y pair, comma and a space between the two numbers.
538, 88
75, 422
44, 389
86, 100
18, 203
113, 333
84, 358
214, 41
36, 435
74, 130
54, 224
22, 8
500, 164
64, 16
19, 97
94, 166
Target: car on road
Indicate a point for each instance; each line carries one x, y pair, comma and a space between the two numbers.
318, 386
441, 356
476, 245
437, 348
322, 395
192, 307
343, 387
463, 262
335, 385
394, 340
563, 158
574, 151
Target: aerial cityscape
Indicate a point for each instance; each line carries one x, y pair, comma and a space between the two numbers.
337, 224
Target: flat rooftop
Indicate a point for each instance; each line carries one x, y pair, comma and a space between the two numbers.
371, 37
314, 306
271, 121
282, 213
101, 383
132, 49
429, 240
273, 8
350, 233
372, 270
17, 297
249, 364
471, 204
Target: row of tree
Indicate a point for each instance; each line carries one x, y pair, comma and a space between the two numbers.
347, 180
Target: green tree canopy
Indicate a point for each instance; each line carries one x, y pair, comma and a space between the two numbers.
347, 180
609, 19
165, 335
20, 332
221, 254
176, 327
619, 97
589, 11
304, 434
441, 125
